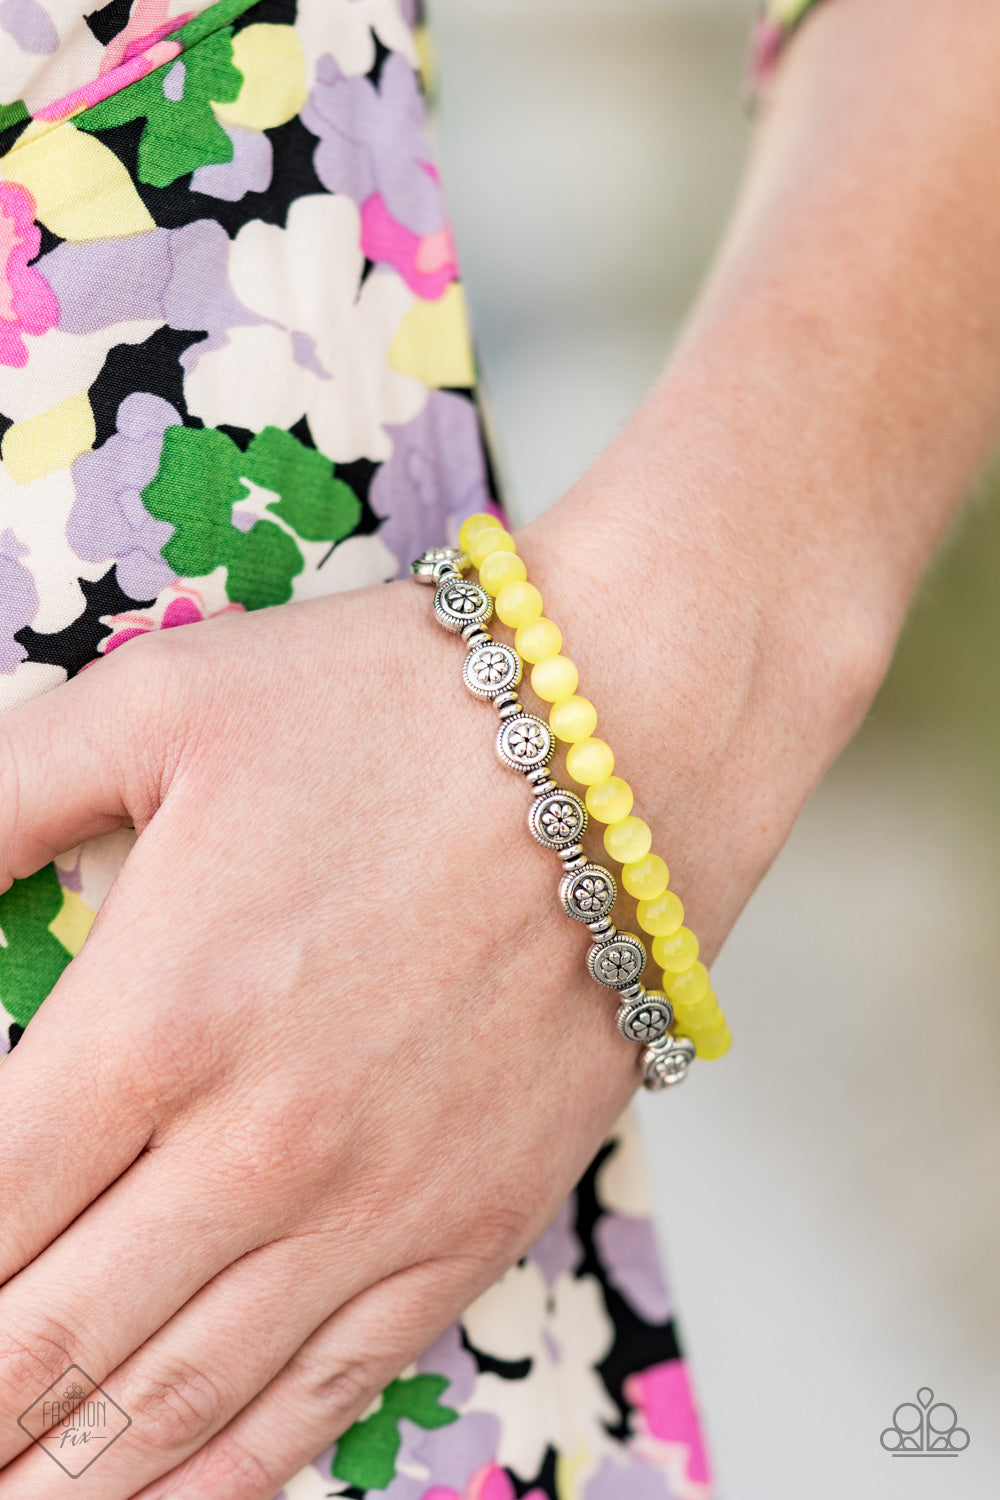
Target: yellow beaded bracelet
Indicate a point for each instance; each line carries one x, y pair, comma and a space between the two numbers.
590, 763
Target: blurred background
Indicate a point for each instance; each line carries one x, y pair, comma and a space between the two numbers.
829, 1194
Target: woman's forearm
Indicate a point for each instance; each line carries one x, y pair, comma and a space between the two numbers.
856, 300
738, 563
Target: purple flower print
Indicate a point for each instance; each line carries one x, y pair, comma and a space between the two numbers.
180, 276
108, 518
373, 141
18, 599
436, 471
249, 171
637, 1480
451, 1454
29, 25
631, 1259
558, 1249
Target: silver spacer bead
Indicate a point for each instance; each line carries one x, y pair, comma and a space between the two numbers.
588, 894
492, 670
632, 991
512, 708
525, 743
438, 563
666, 1062
542, 788
538, 777
602, 928
569, 853
459, 603
617, 961
645, 1019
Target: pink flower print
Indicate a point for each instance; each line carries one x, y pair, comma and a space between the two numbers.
148, 22
27, 302
135, 67
488, 1483
184, 609
426, 262
666, 1413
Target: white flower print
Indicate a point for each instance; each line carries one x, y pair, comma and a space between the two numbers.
565, 1332
346, 29
306, 278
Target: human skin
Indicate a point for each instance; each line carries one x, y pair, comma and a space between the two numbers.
329, 1033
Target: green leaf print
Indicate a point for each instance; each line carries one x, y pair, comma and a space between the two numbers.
201, 477
31, 957
181, 131
367, 1452
13, 114
312, 502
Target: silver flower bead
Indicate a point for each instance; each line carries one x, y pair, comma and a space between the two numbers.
617, 961
525, 742
459, 602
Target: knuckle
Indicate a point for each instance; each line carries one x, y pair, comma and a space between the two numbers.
152, 685
338, 1390
34, 1354
177, 1406
161, 1059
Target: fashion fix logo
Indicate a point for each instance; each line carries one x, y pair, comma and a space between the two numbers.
74, 1421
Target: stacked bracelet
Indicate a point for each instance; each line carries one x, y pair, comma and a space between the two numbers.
558, 818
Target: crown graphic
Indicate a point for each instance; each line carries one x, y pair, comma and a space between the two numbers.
74, 1392
924, 1429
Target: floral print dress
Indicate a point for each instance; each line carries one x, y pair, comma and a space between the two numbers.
235, 370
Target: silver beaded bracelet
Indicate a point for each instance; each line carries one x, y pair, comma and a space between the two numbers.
557, 818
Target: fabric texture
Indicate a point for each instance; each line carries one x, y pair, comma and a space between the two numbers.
235, 371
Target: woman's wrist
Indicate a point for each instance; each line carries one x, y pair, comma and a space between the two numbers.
728, 662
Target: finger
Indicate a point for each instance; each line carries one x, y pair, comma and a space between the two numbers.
326, 1386
72, 1121
199, 1371
104, 1061
85, 757
115, 1276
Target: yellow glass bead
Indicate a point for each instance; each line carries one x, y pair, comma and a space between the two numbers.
661, 916
609, 801
489, 539
555, 678
710, 1047
706, 1002
518, 603
471, 525
694, 1022
696, 1012
709, 1024
541, 639
589, 761
678, 949
627, 839
646, 877
573, 719
500, 568
688, 986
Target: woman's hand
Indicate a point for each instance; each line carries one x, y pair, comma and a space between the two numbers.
328, 1061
